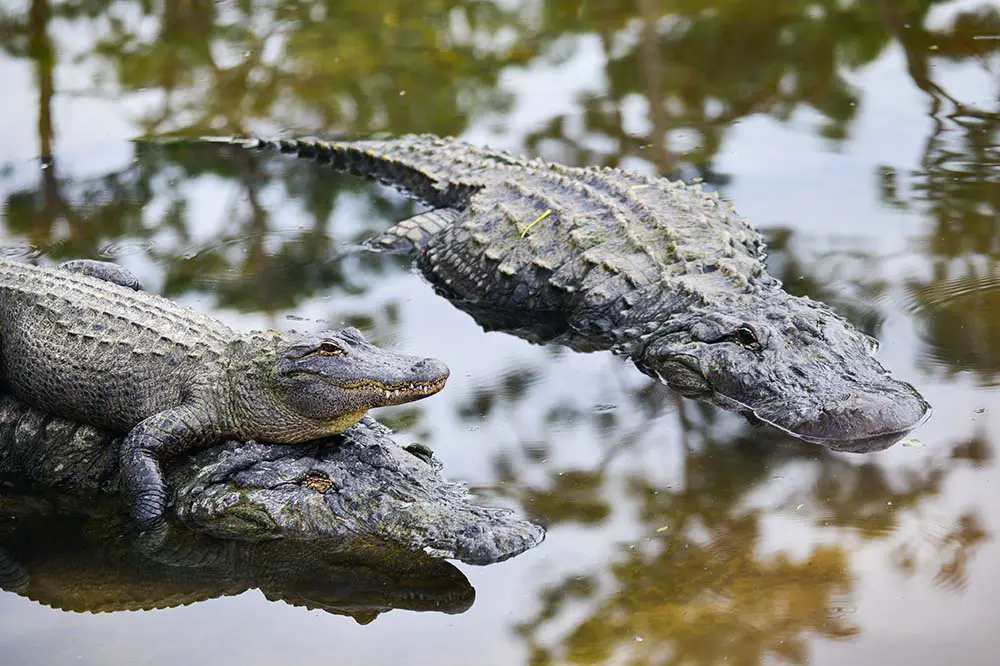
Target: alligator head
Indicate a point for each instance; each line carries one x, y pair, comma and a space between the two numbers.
358, 483
787, 361
301, 386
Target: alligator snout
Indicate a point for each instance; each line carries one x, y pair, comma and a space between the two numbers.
867, 422
430, 369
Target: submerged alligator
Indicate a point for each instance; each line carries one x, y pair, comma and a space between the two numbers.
83, 342
660, 272
67, 558
359, 485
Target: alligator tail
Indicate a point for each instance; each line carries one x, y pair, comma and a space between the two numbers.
417, 174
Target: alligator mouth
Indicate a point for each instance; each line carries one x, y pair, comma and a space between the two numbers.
863, 443
396, 394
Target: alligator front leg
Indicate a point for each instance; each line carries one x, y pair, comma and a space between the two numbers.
163, 434
103, 270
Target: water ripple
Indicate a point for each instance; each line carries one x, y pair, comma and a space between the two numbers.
959, 321
20, 252
125, 248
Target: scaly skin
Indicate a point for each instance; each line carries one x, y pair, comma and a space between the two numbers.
104, 354
658, 271
357, 486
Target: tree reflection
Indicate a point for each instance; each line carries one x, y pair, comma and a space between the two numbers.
225, 67
704, 581
957, 187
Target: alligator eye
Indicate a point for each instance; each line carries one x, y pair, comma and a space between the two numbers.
327, 348
745, 337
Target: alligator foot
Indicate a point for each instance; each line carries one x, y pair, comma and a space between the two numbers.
145, 494
412, 234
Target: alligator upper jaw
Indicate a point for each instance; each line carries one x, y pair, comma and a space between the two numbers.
855, 423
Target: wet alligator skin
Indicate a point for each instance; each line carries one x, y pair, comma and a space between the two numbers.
659, 271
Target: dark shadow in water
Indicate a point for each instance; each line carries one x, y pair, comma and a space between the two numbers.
71, 557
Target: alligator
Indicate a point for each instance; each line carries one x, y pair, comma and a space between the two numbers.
658, 271
67, 557
82, 341
358, 485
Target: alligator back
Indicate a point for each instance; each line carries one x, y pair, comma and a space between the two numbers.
96, 352
592, 243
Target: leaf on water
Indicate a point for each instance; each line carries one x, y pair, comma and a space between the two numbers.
912, 443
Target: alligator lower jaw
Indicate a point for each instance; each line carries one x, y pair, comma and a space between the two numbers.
398, 394
869, 443
864, 443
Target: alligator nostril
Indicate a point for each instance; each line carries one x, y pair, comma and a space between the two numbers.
431, 368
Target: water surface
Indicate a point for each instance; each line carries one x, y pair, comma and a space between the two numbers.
863, 139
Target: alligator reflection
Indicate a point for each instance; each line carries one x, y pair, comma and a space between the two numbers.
56, 553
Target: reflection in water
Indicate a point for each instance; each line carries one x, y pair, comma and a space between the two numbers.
961, 320
73, 558
703, 586
958, 187
748, 547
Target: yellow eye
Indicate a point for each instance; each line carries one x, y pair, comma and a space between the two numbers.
327, 348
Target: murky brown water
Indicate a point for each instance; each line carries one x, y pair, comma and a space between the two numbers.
862, 137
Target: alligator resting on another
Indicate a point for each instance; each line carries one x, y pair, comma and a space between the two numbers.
658, 271
359, 485
70, 558
82, 342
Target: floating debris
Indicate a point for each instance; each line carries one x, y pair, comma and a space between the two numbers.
548, 211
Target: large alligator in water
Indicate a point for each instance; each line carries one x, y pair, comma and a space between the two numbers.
359, 485
82, 342
661, 272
